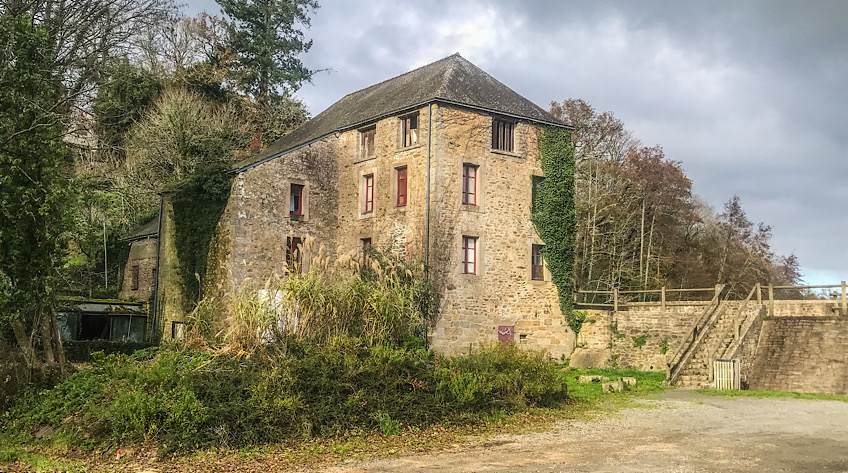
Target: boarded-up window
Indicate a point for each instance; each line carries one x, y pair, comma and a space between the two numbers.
502, 135
367, 142
134, 278
409, 130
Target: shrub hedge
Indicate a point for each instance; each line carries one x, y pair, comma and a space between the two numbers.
197, 398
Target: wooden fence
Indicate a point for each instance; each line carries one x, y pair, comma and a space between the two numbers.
616, 299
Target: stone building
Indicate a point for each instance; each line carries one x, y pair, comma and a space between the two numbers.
436, 164
140, 271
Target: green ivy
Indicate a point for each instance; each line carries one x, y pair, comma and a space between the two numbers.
198, 203
554, 216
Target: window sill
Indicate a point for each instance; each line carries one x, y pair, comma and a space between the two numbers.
511, 154
471, 208
360, 159
400, 150
366, 216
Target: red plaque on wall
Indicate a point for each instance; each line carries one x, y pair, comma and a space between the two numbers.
506, 333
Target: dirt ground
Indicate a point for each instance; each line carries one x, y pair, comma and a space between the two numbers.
680, 431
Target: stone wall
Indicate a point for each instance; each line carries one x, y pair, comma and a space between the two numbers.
502, 292
812, 308
803, 354
143, 256
171, 307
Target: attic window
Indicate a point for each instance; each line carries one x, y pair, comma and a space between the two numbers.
367, 139
409, 130
502, 135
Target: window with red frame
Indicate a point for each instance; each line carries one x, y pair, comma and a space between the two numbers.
369, 194
469, 255
401, 187
296, 200
537, 264
469, 184
294, 257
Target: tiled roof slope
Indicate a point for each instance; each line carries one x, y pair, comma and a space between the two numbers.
148, 229
450, 80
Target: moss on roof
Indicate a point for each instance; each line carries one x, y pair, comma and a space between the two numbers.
450, 80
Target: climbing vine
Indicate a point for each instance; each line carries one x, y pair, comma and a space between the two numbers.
198, 203
554, 216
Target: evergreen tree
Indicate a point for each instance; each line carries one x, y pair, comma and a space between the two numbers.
266, 37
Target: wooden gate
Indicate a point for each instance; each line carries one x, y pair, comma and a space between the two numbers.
727, 374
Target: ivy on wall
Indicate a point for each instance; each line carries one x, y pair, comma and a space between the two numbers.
554, 216
198, 203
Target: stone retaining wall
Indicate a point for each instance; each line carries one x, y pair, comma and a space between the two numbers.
803, 354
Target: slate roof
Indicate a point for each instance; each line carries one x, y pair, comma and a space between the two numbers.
452, 80
148, 229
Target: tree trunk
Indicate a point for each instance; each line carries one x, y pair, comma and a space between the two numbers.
24, 344
60, 349
46, 339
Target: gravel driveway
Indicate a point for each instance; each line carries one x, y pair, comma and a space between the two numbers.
682, 431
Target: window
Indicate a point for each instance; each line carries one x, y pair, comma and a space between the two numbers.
409, 130
469, 255
469, 184
401, 186
367, 142
369, 193
537, 264
535, 182
502, 135
294, 256
296, 200
134, 277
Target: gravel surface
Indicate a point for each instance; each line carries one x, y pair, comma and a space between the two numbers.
679, 431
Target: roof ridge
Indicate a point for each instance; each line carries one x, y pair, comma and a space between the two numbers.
404, 74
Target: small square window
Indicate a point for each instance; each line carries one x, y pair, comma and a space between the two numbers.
367, 142
296, 200
294, 254
502, 135
409, 130
401, 186
469, 184
469, 255
537, 264
368, 183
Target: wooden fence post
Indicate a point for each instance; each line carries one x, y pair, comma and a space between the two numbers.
615, 299
844, 301
759, 295
771, 301
662, 296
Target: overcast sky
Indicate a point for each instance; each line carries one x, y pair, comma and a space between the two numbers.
751, 96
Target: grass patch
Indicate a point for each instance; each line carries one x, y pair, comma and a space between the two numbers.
38, 463
764, 393
647, 382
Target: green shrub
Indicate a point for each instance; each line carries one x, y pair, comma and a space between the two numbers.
639, 342
192, 398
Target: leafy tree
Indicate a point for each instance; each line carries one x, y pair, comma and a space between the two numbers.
181, 133
266, 37
31, 187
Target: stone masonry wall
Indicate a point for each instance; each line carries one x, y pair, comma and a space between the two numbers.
803, 354
143, 255
250, 242
502, 292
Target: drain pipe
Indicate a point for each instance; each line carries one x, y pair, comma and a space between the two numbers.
427, 232
154, 336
